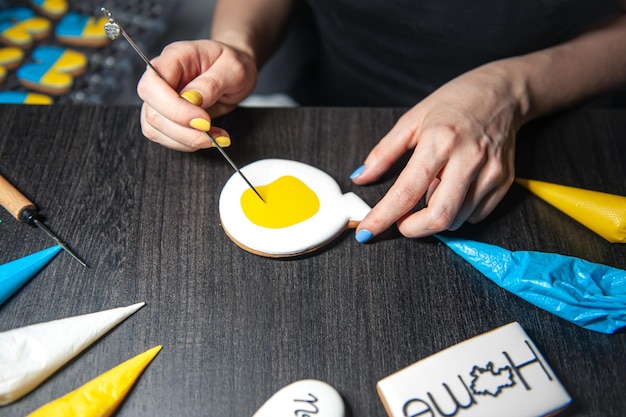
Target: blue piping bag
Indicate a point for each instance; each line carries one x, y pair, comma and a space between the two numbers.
590, 295
16, 273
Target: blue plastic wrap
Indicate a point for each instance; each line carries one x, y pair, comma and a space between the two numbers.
590, 295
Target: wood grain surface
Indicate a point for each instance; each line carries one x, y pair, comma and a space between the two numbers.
236, 327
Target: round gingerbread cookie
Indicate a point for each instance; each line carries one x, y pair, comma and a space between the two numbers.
303, 208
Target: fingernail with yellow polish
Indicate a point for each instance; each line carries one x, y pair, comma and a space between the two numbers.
223, 141
192, 96
200, 124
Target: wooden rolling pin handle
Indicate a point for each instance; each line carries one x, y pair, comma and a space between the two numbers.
15, 202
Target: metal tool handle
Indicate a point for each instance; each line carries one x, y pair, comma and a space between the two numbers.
14, 201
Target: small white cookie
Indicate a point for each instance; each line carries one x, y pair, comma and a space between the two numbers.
304, 398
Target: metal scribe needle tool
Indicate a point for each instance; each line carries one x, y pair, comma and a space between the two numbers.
113, 31
25, 211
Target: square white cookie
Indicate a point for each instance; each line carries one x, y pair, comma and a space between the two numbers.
499, 373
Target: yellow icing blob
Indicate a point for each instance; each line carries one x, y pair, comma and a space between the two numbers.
288, 201
94, 28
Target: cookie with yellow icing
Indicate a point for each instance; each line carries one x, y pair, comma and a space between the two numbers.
11, 57
24, 97
20, 26
302, 209
80, 30
51, 8
53, 71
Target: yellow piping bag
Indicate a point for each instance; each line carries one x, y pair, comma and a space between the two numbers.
101, 396
604, 214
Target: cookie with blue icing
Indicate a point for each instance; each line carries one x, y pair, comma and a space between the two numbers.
51, 8
24, 97
53, 71
20, 26
80, 30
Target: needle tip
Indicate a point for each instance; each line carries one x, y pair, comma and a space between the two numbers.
58, 240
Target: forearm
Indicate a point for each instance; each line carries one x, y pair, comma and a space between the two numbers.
555, 78
252, 26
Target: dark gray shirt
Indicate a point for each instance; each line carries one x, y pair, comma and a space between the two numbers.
395, 52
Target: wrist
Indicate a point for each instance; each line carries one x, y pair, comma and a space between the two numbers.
515, 75
237, 41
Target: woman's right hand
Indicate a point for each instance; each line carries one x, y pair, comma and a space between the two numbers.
212, 79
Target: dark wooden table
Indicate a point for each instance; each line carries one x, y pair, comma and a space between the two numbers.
237, 327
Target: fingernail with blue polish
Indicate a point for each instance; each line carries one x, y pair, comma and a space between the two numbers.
363, 236
357, 172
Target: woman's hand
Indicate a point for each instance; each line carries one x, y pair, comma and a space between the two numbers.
212, 78
463, 142
463, 135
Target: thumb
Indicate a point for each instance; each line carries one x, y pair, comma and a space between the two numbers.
222, 86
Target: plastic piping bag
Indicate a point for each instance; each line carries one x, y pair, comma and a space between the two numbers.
101, 396
590, 295
14, 274
602, 213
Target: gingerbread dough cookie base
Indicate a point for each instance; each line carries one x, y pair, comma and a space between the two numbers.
336, 213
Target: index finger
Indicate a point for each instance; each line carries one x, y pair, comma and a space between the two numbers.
166, 101
402, 197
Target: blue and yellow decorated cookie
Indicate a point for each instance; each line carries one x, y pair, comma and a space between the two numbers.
51, 8
10, 57
79, 30
20, 26
53, 71
23, 97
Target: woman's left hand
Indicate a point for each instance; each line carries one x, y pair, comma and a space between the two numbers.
463, 142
